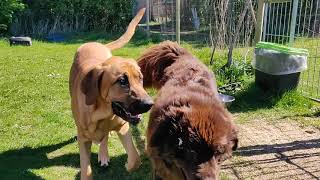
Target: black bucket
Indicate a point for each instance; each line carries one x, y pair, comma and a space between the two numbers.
277, 83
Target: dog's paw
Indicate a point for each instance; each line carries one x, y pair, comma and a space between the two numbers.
103, 155
103, 160
104, 163
131, 166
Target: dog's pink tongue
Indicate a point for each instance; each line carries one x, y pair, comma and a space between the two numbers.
138, 116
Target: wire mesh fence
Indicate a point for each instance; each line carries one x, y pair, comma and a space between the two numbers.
202, 17
297, 23
229, 25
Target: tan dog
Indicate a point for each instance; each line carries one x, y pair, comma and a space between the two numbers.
106, 93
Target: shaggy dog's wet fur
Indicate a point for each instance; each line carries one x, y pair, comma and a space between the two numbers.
190, 132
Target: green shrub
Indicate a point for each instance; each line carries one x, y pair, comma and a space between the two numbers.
232, 78
228, 78
43, 17
7, 9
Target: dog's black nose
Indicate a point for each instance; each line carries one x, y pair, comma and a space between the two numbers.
143, 106
146, 105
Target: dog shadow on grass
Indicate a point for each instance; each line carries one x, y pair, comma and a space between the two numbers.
253, 98
19, 163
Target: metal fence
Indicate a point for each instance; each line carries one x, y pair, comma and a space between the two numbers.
221, 23
199, 18
297, 23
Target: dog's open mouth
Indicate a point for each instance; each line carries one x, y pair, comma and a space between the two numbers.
121, 111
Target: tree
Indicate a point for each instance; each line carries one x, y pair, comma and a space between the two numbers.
230, 21
7, 9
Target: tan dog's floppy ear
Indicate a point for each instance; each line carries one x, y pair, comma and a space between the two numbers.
90, 85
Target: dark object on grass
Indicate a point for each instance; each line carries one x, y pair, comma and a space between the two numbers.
20, 41
277, 83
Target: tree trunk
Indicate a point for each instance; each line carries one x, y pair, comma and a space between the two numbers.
233, 41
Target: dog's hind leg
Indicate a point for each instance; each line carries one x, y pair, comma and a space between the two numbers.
85, 154
126, 139
103, 156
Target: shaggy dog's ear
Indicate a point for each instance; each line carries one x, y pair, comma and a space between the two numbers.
155, 60
90, 85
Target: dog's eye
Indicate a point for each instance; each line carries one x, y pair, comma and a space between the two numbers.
123, 81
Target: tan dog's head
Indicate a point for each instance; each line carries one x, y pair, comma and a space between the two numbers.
118, 81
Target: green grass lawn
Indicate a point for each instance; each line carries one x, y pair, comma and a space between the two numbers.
37, 130
35, 117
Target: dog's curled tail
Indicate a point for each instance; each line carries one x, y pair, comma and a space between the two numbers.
155, 60
125, 38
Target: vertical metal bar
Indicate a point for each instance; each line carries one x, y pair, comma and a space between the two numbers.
316, 45
166, 16
315, 19
178, 21
318, 86
301, 25
289, 15
284, 23
272, 22
259, 25
281, 24
304, 17
159, 19
239, 44
293, 21
148, 17
308, 79
299, 22
265, 21
277, 19
310, 16
172, 21
269, 22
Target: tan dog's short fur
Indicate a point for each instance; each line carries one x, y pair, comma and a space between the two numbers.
96, 81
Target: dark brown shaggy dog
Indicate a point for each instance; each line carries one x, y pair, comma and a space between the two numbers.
190, 132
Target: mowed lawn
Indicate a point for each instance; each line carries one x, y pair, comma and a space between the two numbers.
36, 126
37, 130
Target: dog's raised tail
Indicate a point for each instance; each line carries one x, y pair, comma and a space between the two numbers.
155, 60
125, 38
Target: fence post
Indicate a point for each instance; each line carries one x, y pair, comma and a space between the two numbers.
148, 17
265, 18
293, 22
178, 21
259, 25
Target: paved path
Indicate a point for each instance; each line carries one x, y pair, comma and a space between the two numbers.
275, 150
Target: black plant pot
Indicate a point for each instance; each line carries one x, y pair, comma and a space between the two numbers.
277, 84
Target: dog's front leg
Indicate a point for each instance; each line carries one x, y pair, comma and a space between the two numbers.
126, 139
85, 155
103, 156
